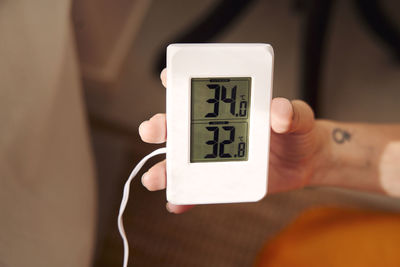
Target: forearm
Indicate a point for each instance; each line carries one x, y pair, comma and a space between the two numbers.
359, 156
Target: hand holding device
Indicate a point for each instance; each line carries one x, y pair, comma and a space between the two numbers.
295, 144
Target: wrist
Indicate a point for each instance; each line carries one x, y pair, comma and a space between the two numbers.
346, 157
324, 161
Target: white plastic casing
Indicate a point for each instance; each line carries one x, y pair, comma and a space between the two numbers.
217, 182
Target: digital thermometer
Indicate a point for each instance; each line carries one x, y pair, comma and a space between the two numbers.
218, 122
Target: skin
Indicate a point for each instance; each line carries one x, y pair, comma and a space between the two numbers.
308, 152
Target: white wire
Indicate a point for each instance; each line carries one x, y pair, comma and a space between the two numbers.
125, 198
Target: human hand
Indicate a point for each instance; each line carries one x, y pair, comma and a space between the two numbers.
295, 147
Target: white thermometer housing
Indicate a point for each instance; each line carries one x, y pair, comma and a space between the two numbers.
218, 122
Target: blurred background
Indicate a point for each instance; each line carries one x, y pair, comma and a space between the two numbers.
342, 57
337, 55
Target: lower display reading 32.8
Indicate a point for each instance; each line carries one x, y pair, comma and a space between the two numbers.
220, 109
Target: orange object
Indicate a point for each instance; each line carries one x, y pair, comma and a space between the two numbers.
336, 237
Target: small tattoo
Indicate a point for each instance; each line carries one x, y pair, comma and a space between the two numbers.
340, 136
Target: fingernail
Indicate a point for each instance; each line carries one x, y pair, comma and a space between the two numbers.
141, 125
143, 176
168, 208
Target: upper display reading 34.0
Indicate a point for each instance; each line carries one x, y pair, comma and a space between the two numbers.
228, 99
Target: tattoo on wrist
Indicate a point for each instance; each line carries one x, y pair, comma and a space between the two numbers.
340, 136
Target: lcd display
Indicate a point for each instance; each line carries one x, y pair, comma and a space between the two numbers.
220, 109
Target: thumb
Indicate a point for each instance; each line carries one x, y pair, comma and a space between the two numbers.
291, 116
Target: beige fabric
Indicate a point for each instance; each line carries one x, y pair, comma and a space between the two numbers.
47, 189
104, 31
